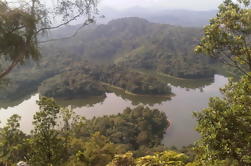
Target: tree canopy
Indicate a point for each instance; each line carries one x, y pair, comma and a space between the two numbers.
22, 21
60, 137
228, 36
225, 125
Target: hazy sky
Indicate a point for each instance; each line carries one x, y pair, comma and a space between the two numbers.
166, 4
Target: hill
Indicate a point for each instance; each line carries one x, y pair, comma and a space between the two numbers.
137, 43
131, 43
178, 17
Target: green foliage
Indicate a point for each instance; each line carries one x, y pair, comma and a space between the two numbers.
25, 84
166, 158
132, 81
60, 137
146, 150
17, 29
85, 80
134, 127
225, 125
178, 62
136, 43
228, 35
96, 151
69, 124
71, 85
53, 139
130, 43
23, 22
189, 151
123, 160
13, 144
46, 145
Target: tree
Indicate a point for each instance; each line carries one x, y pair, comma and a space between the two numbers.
13, 144
70, 124
46, 144
228, 35
136, 127
225, 125
96, 151
165, 158
123, 159
21, 22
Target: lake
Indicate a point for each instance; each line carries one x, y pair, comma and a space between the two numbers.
190, 96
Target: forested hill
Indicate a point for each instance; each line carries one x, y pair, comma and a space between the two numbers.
186, 18
137, 43
130, 43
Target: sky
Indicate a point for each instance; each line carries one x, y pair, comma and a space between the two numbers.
162, 4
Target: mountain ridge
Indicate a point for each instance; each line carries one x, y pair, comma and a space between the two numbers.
180, 17
131, 43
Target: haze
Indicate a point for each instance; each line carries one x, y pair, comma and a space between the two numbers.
162, 4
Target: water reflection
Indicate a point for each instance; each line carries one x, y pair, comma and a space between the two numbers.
26, 110
78, 103
179, 109
5, 104
145, 100
188, 83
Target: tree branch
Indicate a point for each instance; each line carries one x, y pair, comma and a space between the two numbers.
60, 25
71, 36
11, 67
248, 54
234, 64
30, 9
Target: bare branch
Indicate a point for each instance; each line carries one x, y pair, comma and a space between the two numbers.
248, 54
60, 25
35, 12
11, 66
71, 36
234, 64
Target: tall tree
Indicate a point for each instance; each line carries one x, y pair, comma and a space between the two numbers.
47, 146
228, 36
22, 21
13, 144
225, 125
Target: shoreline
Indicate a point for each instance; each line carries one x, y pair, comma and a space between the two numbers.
171, 76
183, 79
135, 94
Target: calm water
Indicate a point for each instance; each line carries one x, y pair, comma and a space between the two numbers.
190, 96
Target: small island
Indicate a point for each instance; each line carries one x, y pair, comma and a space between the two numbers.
95, 81
70, 85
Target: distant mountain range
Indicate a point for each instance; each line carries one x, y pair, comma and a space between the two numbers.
179, 17
187, 18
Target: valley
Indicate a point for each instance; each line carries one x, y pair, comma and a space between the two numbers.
189, 97
125, 83
125, 63
132, 46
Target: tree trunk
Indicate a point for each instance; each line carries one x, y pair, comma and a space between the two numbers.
9, 69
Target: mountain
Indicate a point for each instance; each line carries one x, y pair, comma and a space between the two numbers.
134, 44
137, 43
179, 17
